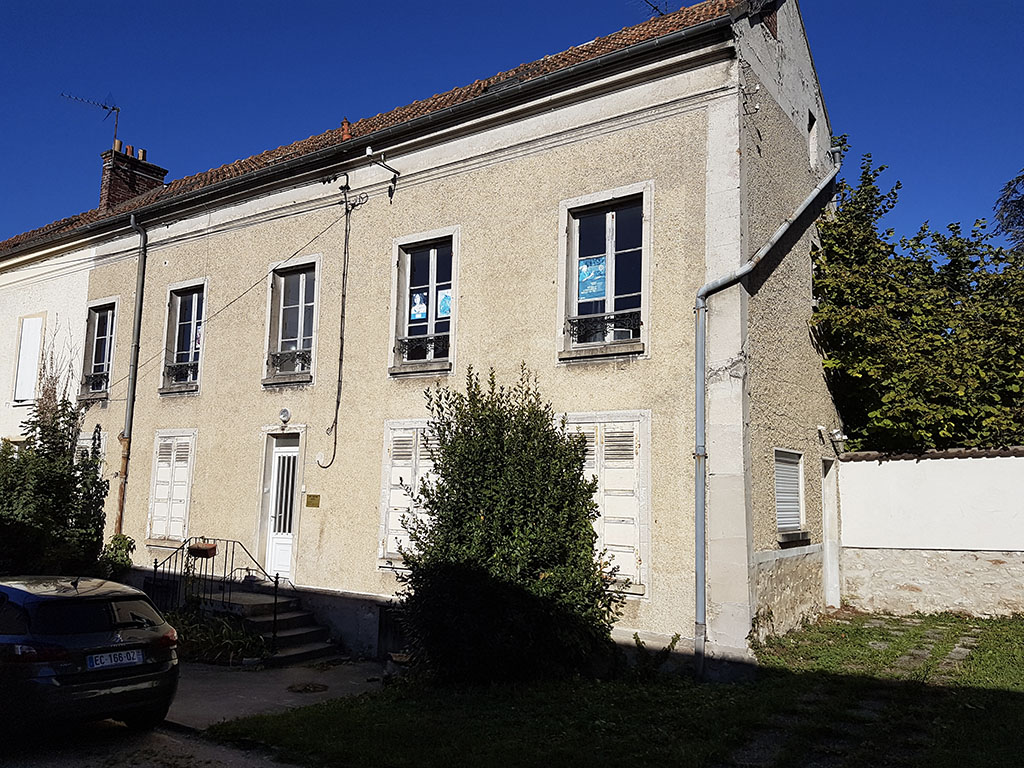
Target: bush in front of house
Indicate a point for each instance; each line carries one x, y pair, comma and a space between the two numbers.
503, 579
215, 639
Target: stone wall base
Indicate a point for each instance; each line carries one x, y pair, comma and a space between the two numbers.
789, 589
904, 581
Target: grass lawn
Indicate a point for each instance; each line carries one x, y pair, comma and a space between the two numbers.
850, 690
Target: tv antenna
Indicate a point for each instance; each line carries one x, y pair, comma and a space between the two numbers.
112, 109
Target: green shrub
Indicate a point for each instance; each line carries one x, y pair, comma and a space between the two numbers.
215, 639
503, 579
116, 558
51, 491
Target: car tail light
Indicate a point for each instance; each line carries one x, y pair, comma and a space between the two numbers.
23, 653
168, 639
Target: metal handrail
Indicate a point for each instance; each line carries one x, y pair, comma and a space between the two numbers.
182, 576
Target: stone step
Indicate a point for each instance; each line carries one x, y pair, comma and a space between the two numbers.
298, 654
248, 604
287, 638
264, 623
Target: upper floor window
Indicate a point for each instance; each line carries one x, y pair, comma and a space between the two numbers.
30, 350
292, 325
99, 350
605, 273
425, 305
184, 338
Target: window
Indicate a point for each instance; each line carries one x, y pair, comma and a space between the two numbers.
30, 347
172, 485
99, 350
424, 300
614, 456
292, 325
184, 339
812, 138
789, 495
407, 464
604, 273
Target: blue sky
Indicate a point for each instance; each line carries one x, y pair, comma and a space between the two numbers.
933, 89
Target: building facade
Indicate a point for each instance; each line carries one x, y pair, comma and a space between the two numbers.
296, 305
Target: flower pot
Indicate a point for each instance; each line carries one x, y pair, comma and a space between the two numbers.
205, 549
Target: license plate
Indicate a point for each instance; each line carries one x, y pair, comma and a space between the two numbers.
114, 659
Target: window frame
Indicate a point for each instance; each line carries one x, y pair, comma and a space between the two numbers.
162, 434
174, 293
799, 532
400, 276
275, 306
88, 359
386, 559
569, 212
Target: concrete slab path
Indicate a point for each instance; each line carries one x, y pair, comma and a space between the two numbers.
208, 693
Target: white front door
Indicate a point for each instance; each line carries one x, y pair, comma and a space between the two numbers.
282, 509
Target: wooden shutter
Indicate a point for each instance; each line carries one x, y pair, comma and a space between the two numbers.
170, 493
787, 491
402, 475
620, 496
28, 359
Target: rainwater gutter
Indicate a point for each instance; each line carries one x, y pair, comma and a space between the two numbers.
133, 374
700, 451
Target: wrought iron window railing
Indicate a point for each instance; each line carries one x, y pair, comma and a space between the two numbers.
181, 373
587, 329
419, 347
95, 382
290, 361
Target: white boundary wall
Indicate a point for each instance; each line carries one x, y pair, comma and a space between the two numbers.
934, 535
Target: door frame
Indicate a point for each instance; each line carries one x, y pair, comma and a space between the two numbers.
270, 436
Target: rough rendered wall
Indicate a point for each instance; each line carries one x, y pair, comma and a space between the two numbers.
904, 581
789, 589
788, 398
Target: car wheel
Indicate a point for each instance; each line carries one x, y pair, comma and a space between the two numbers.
146, 719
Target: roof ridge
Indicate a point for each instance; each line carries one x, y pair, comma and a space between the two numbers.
658, 26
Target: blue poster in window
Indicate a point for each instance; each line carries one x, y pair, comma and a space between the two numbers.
591, 279
444, 303
418, 306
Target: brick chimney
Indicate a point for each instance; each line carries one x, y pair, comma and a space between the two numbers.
126, 175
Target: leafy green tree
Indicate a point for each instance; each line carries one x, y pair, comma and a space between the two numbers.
504, 581
51, 491
920, 338
1010, 211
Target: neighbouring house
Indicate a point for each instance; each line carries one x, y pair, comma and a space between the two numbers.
563, 214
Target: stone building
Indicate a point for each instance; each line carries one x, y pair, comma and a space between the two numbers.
563, 214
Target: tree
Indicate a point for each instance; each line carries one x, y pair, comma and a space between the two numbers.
1009, 210
921, 338
504, 581
51, 491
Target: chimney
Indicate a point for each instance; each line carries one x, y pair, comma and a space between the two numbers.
126, 176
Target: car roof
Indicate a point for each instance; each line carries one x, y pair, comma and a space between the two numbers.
63, 587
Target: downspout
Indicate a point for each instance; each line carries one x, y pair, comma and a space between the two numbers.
133, 375
700, 451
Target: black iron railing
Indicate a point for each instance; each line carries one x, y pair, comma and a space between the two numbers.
205, 572
417, 347
291, 361
181, 373
595, 328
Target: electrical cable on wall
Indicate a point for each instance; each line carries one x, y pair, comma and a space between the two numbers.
350, 205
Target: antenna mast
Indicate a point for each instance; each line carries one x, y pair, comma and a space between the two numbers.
112, 109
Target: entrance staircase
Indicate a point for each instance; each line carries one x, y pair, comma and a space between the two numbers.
220, 576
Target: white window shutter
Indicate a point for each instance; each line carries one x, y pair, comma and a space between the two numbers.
402, 474
179, 487
787, 491
620, 496
160, 504
28, 358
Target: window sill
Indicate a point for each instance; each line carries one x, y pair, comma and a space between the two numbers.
179, 389
92, 397
164, 543
794, 538
633, 590
288, 379
613, 349
22, 403
420, 367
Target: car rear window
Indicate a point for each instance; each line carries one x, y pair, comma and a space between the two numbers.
73, 617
